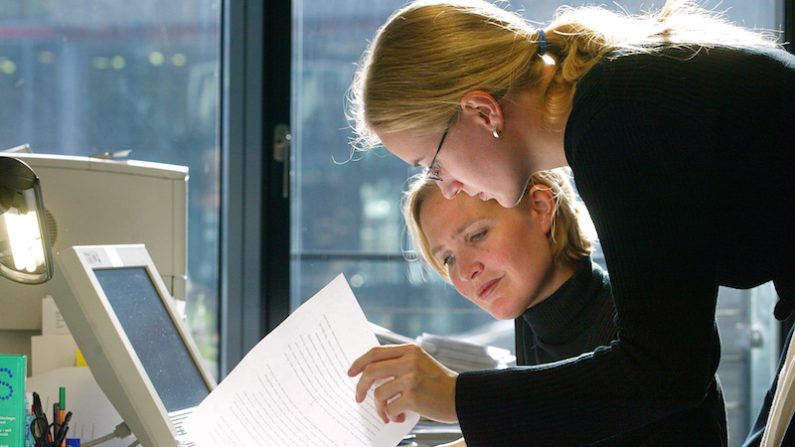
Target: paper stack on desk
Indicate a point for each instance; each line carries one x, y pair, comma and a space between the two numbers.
463, 356
452, 352
292, 388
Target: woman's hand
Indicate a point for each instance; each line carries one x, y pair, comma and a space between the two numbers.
409, 380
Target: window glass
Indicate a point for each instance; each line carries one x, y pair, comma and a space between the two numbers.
363, 234
89, 76
346, 215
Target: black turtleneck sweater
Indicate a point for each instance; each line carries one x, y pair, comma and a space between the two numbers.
579, 317
575, 319
685, 162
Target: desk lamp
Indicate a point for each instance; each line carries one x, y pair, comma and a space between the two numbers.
24, 243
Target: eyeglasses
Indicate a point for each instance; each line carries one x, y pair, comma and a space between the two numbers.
432, 171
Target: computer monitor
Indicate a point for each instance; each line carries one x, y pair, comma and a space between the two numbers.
139, 351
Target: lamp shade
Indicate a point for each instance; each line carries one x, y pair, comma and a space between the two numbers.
25, 254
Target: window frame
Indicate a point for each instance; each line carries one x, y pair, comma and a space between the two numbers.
255, 89
788, 23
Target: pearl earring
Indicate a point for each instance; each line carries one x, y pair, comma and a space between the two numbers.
495, 133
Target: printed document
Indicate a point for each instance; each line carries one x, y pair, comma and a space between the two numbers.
292, 389
783, 406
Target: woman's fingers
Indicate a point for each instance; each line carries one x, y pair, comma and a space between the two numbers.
379, 363
377, 354
388, 397
408, 380
375, 372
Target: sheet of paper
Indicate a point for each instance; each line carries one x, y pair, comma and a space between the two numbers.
783, 405
292, 388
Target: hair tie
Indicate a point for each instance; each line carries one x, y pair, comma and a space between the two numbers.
542, 42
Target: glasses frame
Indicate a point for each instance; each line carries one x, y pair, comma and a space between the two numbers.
432, 171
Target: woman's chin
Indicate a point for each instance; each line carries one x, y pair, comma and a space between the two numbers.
505, 313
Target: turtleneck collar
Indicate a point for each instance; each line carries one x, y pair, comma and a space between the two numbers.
564, 313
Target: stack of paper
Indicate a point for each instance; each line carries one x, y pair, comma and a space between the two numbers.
387, 337
464, 356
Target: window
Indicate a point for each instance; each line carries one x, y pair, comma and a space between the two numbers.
346, 217
84, 77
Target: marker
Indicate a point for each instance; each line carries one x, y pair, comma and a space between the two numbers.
63, 417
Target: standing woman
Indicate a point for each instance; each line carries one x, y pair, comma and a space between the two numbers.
679, 129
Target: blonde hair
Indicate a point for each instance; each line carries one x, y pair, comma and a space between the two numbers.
431, 52
567, 236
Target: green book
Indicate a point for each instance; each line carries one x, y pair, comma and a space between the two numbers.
13, 370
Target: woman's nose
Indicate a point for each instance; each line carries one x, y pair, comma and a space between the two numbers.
450, 188
468, 269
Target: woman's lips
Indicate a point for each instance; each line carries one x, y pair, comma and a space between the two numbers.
486, 289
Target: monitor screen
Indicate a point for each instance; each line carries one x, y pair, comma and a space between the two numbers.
153, 336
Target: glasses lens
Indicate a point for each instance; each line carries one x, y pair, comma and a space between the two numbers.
432, 171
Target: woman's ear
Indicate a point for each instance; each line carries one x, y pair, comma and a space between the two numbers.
542, 201
484, 109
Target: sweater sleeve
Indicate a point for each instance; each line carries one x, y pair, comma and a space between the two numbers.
641, 166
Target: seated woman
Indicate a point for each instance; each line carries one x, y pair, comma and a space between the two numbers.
532, 263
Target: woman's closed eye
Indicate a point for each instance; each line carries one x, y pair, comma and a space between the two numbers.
448, 259
478, 235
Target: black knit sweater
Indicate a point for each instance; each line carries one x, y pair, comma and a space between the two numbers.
684, 161
578, 318
575, 319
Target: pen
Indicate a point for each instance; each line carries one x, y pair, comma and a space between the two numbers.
62, 430
61, 437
